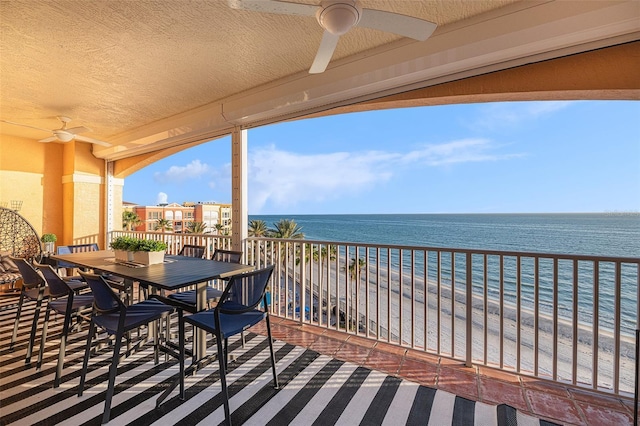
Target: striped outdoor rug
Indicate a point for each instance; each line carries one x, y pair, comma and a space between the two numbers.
314, 389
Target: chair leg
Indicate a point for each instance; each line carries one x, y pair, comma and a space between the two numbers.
156, 329
181, 359
113, 370
34, 328
43, 338
223, 380
273, 357
17, 320
63, 348
87, 352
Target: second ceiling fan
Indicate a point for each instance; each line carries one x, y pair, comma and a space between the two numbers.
337, 17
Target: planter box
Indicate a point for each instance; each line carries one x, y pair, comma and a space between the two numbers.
148, 257
126, 256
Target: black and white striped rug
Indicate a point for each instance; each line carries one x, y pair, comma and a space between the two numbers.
314, 389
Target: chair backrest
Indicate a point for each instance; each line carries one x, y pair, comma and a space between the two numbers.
245, 292
105, 300
57, 286
30, 276
227, 256
192, 251
77, 248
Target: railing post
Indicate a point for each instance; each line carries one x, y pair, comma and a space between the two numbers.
469, 317
303, 282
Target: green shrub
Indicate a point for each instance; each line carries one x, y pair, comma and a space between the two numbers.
124, 243
150, 245
48, 238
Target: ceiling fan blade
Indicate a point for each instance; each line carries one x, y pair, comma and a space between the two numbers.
26, 125
77, 130
51, 139
325, 52
273, 6
407, 26
91, 140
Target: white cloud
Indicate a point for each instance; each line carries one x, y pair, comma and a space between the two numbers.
177, 174
286, 178
503, 114
162, 198
460, 151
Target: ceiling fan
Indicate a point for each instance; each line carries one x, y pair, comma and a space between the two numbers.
339, 16
64, 134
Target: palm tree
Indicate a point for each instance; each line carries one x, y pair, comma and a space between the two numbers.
258, 228
286, 229
130, 220
196, 228
218, 227
164, 225
356, 267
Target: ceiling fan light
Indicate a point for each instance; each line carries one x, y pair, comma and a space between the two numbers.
63, 136
338, 18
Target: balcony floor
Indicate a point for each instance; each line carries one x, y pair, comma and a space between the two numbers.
27, 396
554, 402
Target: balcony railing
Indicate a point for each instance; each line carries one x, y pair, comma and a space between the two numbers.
175, 241
564, 318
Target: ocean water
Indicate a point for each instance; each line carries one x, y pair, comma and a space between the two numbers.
599, 234
594, 234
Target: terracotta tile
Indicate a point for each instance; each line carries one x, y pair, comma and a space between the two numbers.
353, 353
545, 386
326, 345
498, 392
418, 371
389, 348
505, 376
628, 404
553, 406
458, 381
299, 338
312, 329
334, 334
594, 398
422, 356
361, 341
599, 415
449, 362
383, 361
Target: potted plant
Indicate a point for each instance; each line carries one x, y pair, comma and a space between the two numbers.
123, 247
149, 252
49, 242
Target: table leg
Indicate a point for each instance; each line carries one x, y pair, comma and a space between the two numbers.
201, 336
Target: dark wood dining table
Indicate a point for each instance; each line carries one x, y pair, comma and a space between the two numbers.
175, 273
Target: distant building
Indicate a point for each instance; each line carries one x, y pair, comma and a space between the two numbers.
209, 213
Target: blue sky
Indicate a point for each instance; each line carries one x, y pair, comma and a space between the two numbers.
519, 157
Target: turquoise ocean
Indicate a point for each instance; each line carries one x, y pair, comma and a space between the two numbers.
615, 234
600, 234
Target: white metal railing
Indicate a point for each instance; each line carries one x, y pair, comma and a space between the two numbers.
558, 317
175, 241
564, 318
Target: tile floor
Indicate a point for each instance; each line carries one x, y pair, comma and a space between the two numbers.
550, 401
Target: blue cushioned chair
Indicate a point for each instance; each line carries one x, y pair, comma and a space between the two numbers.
116, 318
187, 298
237, 310
64, 301
33, 290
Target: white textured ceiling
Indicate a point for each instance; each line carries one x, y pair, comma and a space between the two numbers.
120, 66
